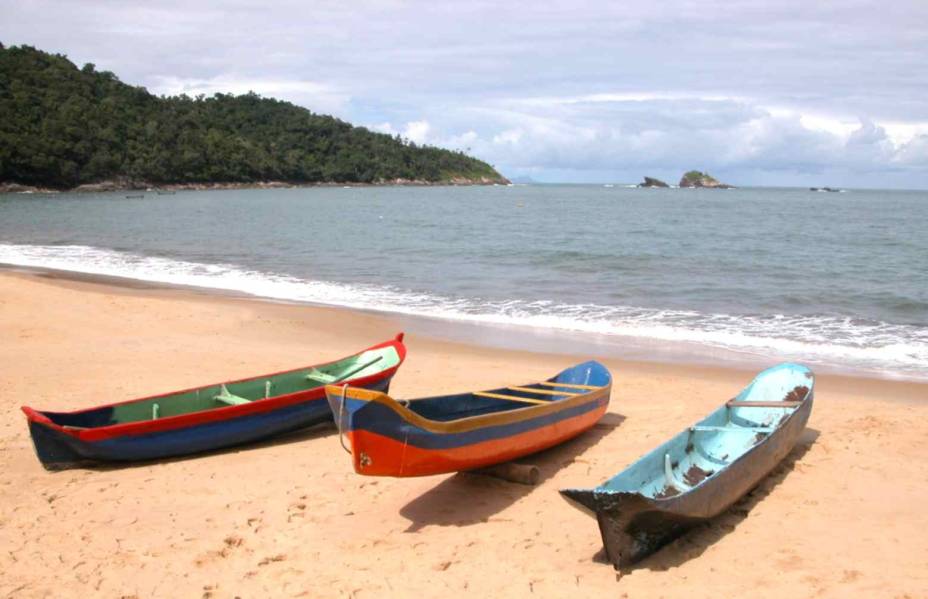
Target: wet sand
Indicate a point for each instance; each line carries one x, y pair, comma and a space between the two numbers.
842, 516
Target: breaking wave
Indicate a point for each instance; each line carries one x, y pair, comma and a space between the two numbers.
849, 343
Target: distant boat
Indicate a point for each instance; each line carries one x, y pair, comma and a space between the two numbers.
206, 418
450, 433
702, 471
162, 192
828, 189
135, 197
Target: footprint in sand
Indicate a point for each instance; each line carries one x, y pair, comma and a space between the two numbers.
274, 558
296, 510
254, 523
230, 543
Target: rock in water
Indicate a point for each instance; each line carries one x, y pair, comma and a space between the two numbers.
700, 179
651, 182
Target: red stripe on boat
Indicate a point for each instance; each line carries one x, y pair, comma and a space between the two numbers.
216, 414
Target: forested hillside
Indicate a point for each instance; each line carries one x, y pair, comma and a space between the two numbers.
61, 126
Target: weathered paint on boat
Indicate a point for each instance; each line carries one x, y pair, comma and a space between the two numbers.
702, 471
465, 431
206, 418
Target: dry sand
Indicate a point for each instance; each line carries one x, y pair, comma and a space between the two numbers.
844, 515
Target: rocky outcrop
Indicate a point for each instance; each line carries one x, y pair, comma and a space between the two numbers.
111, 185
652, 182
700, 179
17, 188
477, 181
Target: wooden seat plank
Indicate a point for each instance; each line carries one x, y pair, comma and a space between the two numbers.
570, 385
733, 429
509, 397
762, 404
543, 391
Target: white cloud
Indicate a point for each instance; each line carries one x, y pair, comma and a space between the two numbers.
319, 97
383, 128
509, 136
417, 131
414, 131
634, 134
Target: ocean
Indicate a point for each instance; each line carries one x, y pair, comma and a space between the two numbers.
836, 280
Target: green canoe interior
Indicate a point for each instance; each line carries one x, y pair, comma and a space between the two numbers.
220, 396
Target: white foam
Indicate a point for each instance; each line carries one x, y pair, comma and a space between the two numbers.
889, 348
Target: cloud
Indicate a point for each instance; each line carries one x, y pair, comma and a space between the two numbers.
319, 97
632, 133
415, 131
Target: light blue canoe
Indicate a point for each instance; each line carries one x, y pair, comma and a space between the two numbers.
702, 471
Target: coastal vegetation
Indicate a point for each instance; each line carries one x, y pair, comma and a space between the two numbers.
63, 127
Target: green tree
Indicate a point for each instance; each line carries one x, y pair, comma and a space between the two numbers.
64, 126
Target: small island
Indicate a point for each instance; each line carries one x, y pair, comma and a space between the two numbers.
652, 182
700, 179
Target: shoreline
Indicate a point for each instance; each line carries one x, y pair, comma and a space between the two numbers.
289, 516
512, 337
442, 333
144, 186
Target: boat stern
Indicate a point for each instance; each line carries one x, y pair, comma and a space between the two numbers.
582, 499
55, 450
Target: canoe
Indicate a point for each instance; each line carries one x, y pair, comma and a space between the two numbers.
206, 418
702, 471
450, 433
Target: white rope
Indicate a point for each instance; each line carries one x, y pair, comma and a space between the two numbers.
338, 421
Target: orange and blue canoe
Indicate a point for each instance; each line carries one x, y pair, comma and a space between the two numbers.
451, 433
206, 418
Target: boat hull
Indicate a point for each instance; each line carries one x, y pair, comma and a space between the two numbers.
201, 419
634, 525
382, 455
58, 450
388, 438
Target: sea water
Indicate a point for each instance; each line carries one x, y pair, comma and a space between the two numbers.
834, 279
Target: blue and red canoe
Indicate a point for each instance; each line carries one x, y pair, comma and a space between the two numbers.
209, 417
450, 433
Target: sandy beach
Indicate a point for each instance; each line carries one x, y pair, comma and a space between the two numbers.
842, 516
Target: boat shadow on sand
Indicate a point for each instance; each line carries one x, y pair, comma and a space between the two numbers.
694, 542
469, 498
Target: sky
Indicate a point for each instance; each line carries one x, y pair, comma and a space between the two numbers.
755, 92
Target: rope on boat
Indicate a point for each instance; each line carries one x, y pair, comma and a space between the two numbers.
338, 421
